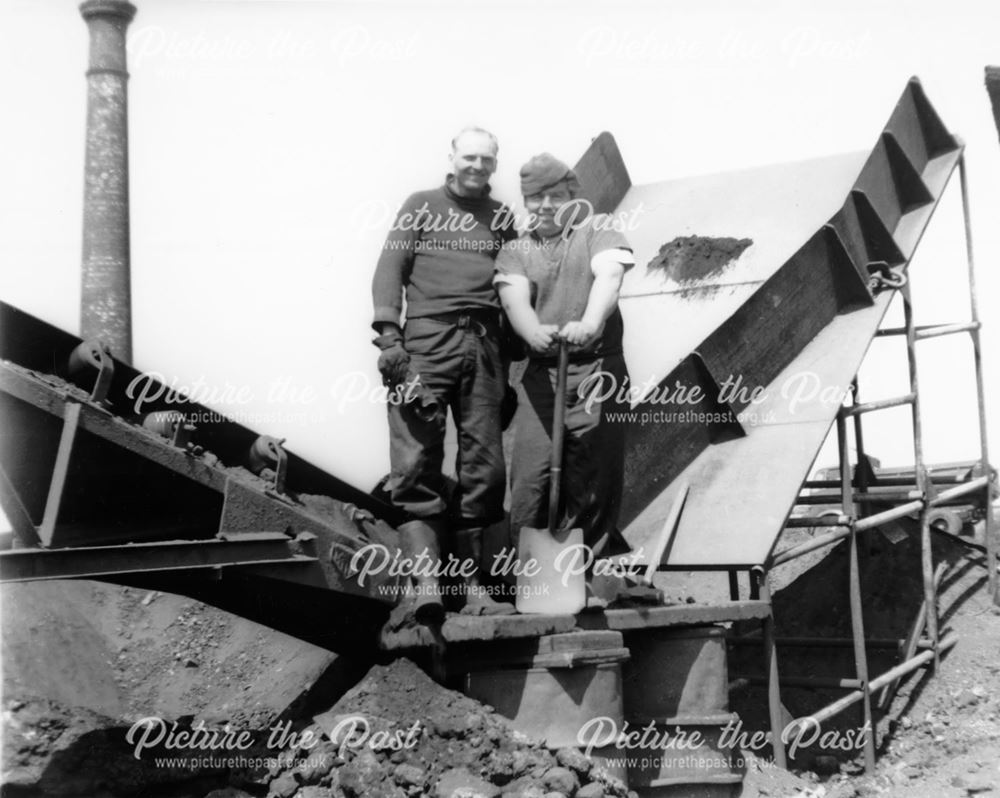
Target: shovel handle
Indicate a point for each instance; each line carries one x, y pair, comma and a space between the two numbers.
558, 432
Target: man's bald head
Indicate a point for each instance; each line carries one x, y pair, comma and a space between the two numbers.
466, 132
473, 161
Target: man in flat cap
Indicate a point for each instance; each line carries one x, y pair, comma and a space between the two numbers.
560, 281
440, 253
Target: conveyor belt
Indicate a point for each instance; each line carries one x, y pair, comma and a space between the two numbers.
794, 305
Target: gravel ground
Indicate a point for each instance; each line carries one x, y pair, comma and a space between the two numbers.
940, 738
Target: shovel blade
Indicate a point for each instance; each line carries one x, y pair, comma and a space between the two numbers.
550, 578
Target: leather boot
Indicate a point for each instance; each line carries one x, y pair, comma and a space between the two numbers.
415, 538
469, 546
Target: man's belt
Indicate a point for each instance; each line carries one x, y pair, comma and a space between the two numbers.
482, 317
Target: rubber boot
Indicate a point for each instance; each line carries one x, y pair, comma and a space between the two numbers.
469, 546
416, 537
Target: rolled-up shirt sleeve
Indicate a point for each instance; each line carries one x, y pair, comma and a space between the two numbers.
611, 260
604, 235
510, 267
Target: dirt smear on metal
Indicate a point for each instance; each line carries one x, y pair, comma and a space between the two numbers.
691, 259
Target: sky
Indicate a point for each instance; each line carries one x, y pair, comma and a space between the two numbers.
271, 142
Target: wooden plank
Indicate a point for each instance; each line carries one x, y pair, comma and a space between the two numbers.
662, 544
579, 641
678, 615
470, 628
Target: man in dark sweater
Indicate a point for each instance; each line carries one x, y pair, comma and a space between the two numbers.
440, 253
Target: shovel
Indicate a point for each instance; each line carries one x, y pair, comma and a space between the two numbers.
550, 590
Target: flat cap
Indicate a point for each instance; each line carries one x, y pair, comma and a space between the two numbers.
544, 171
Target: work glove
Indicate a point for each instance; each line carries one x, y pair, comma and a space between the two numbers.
394, 362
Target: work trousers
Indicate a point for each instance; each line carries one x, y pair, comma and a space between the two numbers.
459, 361
593, 453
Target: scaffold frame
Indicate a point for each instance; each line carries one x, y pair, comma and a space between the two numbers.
926, 642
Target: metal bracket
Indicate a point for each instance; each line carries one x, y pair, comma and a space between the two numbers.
171, 424
930, 489
268, 454
182, 434
94, 354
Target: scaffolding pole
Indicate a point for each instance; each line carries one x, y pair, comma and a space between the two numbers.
856, 490
854, 588
989, 541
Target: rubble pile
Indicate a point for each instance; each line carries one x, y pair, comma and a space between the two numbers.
83, 661
397, 734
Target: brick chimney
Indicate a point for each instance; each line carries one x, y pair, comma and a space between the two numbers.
106, 302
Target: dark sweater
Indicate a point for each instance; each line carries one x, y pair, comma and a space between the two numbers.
441, 249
